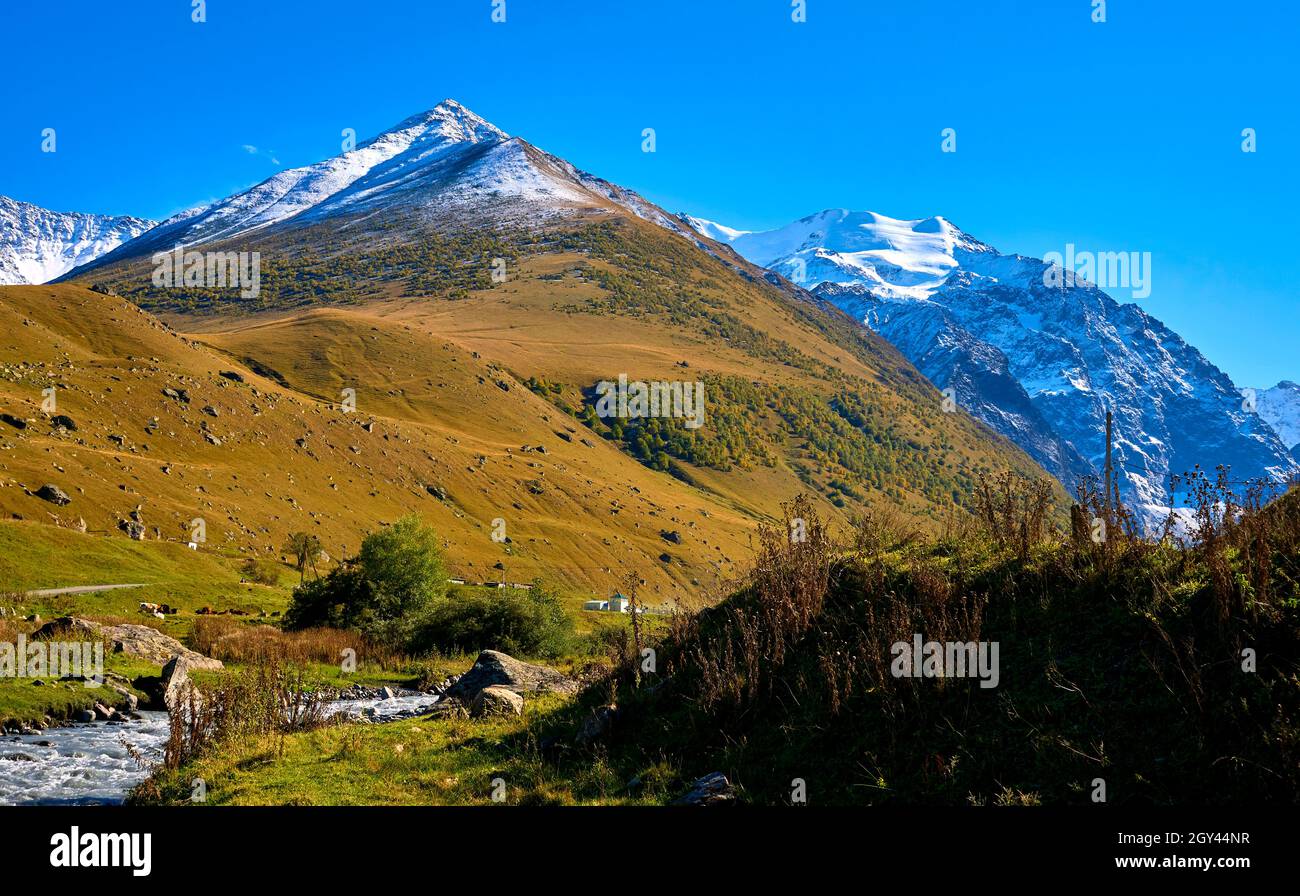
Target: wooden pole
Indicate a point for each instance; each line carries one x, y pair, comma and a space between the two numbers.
1109, 471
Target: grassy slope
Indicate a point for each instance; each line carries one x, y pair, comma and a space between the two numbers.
34, 557
258, 485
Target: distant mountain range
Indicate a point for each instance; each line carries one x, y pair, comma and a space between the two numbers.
38, 245
1038, 364
471, 291
1041, 364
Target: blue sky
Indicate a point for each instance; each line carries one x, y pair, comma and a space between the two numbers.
1122, 136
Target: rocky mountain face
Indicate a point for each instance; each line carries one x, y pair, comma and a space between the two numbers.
1280, 406
38, 245
1039, 361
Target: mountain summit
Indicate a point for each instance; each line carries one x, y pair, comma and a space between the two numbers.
444, 161
1041, 364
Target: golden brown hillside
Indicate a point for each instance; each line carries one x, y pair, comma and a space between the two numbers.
272, 461
473, 403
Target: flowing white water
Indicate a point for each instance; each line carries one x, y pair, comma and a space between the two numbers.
404, 705
91, 763
79, 764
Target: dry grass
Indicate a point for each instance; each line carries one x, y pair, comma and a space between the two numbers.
265, 698
233, 641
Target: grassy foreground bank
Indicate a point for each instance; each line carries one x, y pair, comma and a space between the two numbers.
1129, 672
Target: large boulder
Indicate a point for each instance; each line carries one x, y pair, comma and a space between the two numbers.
495, 668
496, 701
177, 689
53, 494
133, 640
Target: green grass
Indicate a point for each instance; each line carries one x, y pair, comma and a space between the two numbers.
413, 762
22, 700
35, 557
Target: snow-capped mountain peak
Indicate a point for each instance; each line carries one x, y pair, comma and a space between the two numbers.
444, 163
902, 258
384, 161
37, 245
1038, 363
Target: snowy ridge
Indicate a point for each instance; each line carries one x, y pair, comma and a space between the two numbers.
1039, 364
445, 163
897, 258
1280, 406
37, 245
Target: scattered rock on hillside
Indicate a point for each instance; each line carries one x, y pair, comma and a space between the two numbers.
496, 701
63, 421
712, 790
135, 530
134, 640
15, 422
495, 668
53, 494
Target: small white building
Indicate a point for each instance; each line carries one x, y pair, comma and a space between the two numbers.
618, 604
596, 605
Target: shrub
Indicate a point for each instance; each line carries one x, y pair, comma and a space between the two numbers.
263, 572
384, 592
531, 623
269, 698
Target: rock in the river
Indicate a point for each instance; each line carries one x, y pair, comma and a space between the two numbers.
53, 494
712, 790
495, 668
496, 701
83, 715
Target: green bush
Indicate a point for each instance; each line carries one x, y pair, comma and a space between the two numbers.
261, 571
530, 623
385, 592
